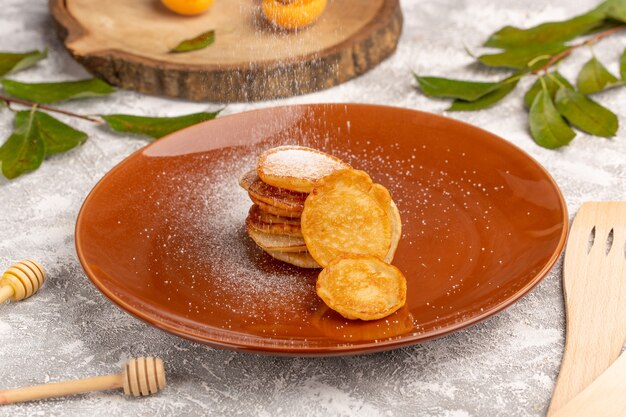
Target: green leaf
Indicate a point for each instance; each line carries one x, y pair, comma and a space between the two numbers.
199, 42
519, 58
551, 84
155, 127
608, 24
586, 114
36, 135
622, 65
464, 90
487, 100
57, 136
594, 77
59, 91
13, 62
546, 124
24, 151
615, 9
511, 37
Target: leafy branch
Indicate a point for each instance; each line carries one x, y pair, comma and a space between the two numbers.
37, 135
8, 100
555, 105
589, 42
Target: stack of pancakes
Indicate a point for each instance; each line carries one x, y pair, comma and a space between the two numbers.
273, 221
278, 187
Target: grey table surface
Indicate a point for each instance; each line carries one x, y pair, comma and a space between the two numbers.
504, 366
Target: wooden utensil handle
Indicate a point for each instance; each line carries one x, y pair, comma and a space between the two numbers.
5, 293
59, 389
605, 397
576, 374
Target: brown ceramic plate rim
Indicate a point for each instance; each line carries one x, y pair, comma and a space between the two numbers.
339, 350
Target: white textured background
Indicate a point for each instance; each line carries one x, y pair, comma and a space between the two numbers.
505, 366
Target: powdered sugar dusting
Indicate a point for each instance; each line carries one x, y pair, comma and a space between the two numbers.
206, 236
298, 162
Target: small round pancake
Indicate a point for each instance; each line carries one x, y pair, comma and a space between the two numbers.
266, 217
275, 210
296, 168
254, 221
301, 259
274, 196
396, 231
276, 243
347, 213
361, 287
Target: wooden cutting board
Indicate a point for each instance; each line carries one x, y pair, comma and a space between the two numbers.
127, 42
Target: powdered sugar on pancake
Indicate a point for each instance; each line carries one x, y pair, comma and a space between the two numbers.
297, 162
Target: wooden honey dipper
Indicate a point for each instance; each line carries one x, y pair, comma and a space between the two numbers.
139, 377
21, 280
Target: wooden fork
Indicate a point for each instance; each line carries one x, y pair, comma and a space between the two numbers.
594, 283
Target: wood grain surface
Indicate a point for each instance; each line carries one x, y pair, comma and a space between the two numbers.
605, 397
594, 283
127, 44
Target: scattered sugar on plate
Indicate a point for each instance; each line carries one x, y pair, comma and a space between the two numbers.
206, 240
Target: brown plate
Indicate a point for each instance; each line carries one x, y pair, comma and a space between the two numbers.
162, 235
